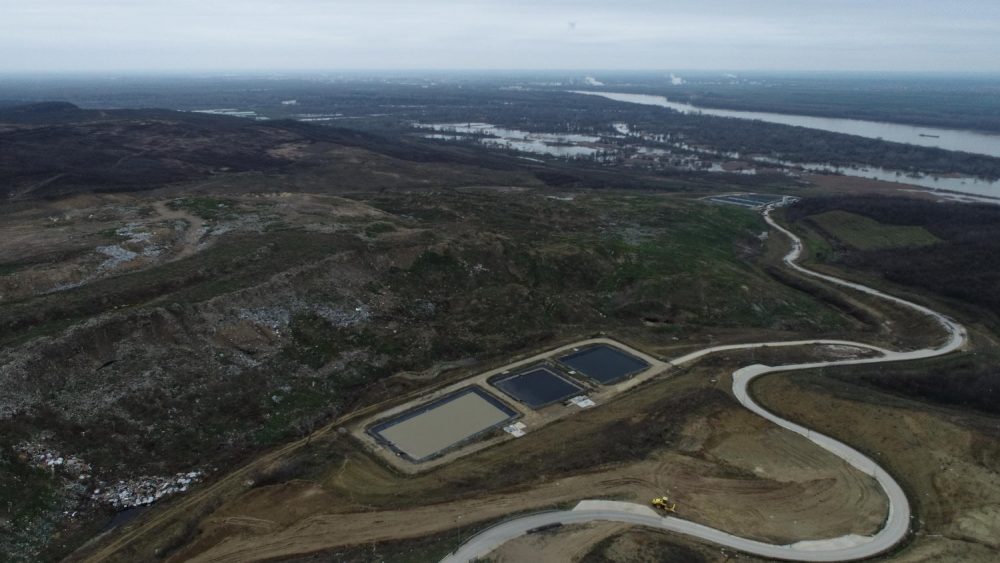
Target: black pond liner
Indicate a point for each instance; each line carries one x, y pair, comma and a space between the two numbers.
604, 364
537, 387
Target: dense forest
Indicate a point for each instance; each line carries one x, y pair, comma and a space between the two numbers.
965, 266
965, 382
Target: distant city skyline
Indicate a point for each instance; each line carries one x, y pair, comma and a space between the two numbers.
300, 35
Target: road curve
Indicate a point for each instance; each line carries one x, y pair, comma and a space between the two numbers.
844, 548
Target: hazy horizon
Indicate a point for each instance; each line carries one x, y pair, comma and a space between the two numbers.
254, 36
500, 72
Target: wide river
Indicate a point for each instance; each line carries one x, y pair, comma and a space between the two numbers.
949, 139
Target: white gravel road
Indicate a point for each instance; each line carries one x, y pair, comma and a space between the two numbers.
843, 548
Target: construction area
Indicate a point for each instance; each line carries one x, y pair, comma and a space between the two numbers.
752, 201
467, 416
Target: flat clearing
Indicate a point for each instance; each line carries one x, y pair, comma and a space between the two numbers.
427, 431
717, 460
752, 201
415, 452
604, 364
537, 387
867, 234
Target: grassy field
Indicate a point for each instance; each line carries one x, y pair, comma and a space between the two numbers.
961, 271
863, 233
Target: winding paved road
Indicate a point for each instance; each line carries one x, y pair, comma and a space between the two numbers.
844, 548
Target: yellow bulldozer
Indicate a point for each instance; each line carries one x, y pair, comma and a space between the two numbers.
663, 503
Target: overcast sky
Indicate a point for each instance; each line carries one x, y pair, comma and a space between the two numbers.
200, 35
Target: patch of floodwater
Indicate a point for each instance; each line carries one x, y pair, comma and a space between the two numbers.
967, 185
654, 151
681, 160
233, 112
962, 198
566, 145
541, 147
317, 117
571, 145
490, 129
746, 170
948, 139
963, 184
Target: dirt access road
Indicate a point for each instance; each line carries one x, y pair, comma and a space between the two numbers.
843, 548
188, 243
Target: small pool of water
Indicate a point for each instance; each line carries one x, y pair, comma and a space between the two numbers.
604, 364
537, 387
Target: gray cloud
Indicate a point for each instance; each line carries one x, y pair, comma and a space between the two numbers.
436, 34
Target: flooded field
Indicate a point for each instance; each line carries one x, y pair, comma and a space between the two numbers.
553, 144
233, 112
948, 139
666, 152
974, 186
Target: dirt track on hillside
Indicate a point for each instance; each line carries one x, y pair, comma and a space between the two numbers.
796, 490
187, 244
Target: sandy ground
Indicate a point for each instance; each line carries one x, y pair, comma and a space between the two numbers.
186, 244
782, 488
636, 545
948, 465
562, 546
258, 533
